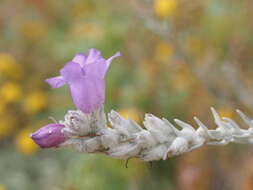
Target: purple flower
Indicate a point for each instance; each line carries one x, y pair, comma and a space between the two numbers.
85, 76
49, 136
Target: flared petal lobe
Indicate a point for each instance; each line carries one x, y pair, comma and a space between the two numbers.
72, 72
80, 58
56, 82
99, 67
108, 61
49, 136
94, 56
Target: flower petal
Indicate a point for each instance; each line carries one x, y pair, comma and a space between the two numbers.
56, 82
80, 58
108, 61
88, 94
85, 77
99, 67
96, 69
94, 56
72, 72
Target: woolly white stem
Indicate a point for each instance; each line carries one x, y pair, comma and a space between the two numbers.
158, 139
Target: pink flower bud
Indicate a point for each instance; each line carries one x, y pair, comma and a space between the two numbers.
49, 136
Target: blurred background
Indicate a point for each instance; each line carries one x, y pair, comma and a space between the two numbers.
178, 58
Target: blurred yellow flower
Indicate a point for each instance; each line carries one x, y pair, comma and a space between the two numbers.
83, 9
35, 102
165, 8
33, 29
24, 143
130, 113
182, 78
87, 30
7, 125
194, 46
2, 187
9, 67
2, 107
163, 51
10, 92
151, 68
226, 112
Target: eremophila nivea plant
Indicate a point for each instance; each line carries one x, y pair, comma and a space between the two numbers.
87, 129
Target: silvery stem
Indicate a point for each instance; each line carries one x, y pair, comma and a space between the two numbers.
157, 139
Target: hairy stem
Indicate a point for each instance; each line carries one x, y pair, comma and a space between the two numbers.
158, 139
